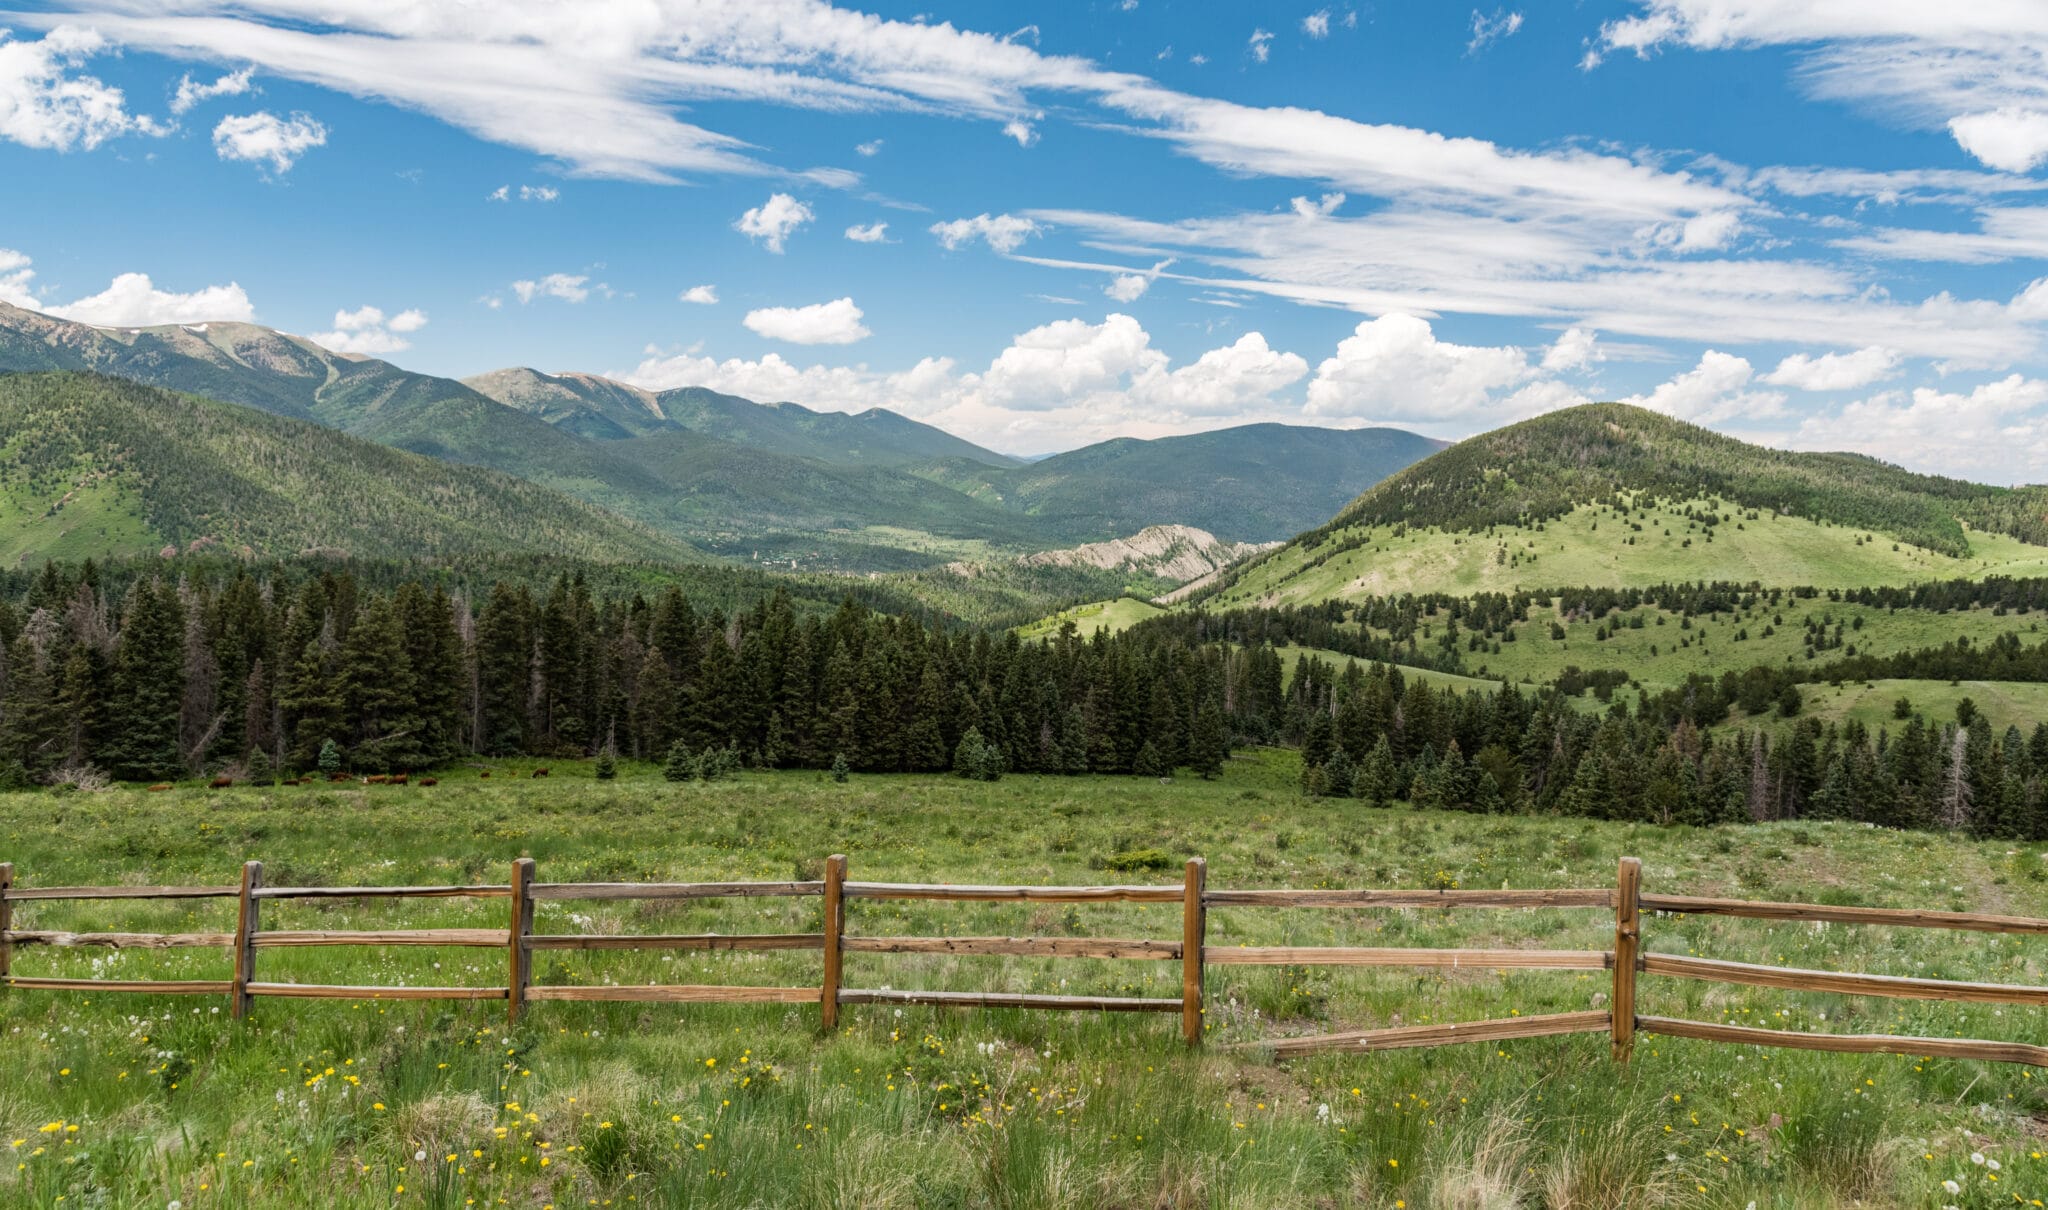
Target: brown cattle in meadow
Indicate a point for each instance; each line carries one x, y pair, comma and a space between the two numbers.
540, 772
430, 781
220, 783
160, 786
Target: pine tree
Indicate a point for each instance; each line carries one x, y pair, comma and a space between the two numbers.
378, 702
1208, 743
607, 766
679, 765
1339, 775
1148, 762
975, 759
148, 686
839, 769
330, 757
1376, 774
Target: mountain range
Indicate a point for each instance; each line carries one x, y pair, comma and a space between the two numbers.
99, 466
776, 484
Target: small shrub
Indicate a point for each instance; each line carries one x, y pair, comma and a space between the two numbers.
1137, 859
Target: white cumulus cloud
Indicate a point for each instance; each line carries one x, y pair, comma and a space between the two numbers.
368, 331
831, 323
1715, 391
1002, 232
525, 193
1395, 368
263, 137
1574, 349
873, 233
1317, 24
569, 287
1052, 387
191, 93
45, 103
131, 300
1997, 431
1835, 371
774, 221
701, 295
2008, 138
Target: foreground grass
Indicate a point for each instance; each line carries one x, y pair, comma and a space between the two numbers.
139, 1101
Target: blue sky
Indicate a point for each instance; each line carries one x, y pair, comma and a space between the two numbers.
1810, 222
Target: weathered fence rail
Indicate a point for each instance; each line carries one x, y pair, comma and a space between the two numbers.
1625, 961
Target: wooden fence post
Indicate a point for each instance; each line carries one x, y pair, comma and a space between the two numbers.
246, 925
1628, 887
835, 928
519, 972
1193, 932
6, 923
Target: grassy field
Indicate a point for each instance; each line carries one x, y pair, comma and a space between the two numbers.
2005, 703
89, 516
1118, 615
1661, 654
111, 1100
1591, 546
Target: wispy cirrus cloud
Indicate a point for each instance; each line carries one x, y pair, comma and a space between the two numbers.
1979, 71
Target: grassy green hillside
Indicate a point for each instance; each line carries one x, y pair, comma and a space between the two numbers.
1664, 650
2005, 703
1114, 615
1544, 468
1593, 544
96, 465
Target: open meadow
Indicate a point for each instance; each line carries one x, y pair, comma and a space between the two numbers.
143, 1101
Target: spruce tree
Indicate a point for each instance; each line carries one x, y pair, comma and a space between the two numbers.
1148, 762
148, 685
378, 702
1338, 775
679, 764
1208, 742
839, 769
330, 757
1376, 774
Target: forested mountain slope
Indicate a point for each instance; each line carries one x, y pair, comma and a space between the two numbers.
876, 437
93, 465
1251, 483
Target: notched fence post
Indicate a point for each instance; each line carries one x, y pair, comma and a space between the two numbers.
246, 927
6, 923
835, 931
519, 969
1194, 931
1628, 936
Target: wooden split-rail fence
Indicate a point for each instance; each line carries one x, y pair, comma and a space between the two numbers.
1626, 961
